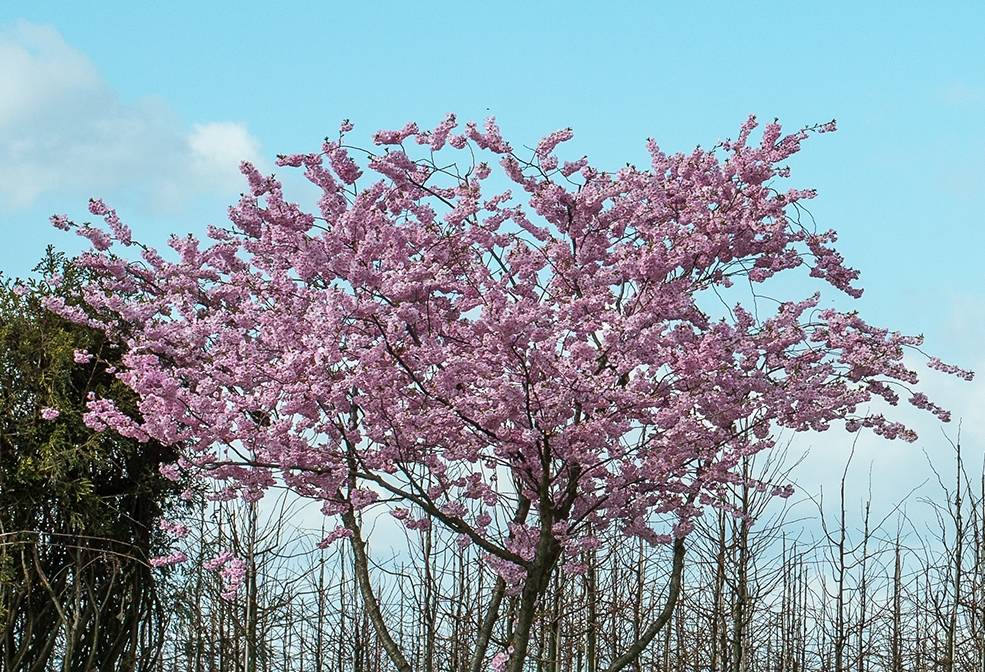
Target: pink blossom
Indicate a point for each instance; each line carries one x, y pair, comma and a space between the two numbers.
500, 660
935, 363
395, 137
439, 136
400, 513
342, 163
177, 529
170, 472
549, 142
61, 222
218, 561
100, 241
233, 575
168, 560
335, 535
232, 571
49, 413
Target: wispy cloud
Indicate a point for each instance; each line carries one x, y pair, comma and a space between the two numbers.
65, 130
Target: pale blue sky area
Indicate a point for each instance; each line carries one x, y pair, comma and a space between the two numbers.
150, 105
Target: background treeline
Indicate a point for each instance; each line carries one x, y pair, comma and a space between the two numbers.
784, 585
775, 591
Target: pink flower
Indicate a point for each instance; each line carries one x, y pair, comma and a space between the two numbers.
335, 535
500, 660
439, 136
168, 560
218, 561
61, 222
935, 363
179, 530
395, 137
170, 471
49, 413
233, 575
549, 142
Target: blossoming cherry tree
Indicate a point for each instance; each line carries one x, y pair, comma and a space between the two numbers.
525, 357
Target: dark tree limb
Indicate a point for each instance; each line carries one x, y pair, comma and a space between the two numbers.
361, 564
637, 648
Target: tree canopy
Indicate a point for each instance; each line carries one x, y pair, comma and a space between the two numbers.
525, 369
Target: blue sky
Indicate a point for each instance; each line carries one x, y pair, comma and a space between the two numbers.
151, 105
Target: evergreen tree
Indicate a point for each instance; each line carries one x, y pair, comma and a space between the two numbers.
79, 510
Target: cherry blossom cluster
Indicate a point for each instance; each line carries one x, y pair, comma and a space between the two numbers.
179, 530
517, 354
231, 569
175, 558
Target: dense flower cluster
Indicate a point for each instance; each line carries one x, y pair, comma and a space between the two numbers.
179, 530
232, 571
166, 560
512, 368
233, 575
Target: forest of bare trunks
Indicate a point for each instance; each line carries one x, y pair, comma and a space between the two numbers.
798, 585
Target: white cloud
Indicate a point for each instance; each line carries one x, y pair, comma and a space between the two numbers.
218, 147
64, 130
